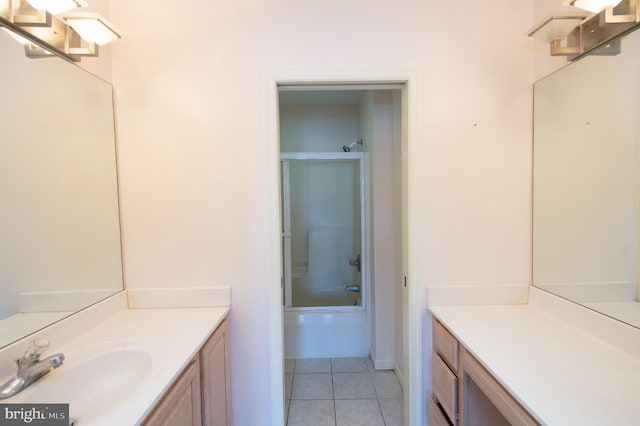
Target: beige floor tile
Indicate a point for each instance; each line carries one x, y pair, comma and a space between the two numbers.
349, 365
311, 413
289, 365
353, 385
358, 412
312, 386
392, 411
387, 385
313, 365
288, 383
287, 403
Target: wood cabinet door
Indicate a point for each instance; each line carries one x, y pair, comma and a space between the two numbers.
216, 384
181, 405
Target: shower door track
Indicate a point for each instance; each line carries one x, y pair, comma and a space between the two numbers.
362, 158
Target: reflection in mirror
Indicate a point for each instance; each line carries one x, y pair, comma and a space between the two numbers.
585, 190
59, 224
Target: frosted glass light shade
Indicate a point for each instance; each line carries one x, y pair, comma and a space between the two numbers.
593, 6
555, 27
56, 7
92, 27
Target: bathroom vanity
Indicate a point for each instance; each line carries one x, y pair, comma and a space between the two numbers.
137, 360
532, 364
201, 395
461, 385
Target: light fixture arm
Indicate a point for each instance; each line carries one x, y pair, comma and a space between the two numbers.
625, 12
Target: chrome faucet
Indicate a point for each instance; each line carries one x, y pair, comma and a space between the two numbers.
31, 368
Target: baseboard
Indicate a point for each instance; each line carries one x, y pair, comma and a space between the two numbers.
381, 364
399, 375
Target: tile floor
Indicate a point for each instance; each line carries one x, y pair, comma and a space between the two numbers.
340, 392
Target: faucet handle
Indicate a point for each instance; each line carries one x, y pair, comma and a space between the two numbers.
36, 348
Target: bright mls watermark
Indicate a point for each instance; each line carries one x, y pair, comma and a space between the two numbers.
34, 414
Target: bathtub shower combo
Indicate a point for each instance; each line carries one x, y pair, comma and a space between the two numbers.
324, 207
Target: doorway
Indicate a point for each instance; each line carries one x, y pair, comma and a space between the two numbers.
329, 136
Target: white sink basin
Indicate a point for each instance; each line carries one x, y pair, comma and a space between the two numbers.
91, 383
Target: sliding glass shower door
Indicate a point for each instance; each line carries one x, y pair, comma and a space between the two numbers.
323, 222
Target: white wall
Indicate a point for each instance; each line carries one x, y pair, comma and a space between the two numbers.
193, 98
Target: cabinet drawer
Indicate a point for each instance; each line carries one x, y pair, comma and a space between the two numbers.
435, 415
445, 345
445, 386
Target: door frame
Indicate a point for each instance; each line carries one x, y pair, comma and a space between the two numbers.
414, 299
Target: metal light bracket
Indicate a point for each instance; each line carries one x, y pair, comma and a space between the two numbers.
44, 32
23, 14
600, 34
626, 12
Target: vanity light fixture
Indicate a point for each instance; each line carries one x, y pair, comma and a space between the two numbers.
598, 33
56, 7
559, 29
31, 50
34, 51
70, 35
22, 13
626, 12
555, 27
92, 27
610, 11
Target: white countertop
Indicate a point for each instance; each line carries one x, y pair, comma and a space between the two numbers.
171, 336
559, 373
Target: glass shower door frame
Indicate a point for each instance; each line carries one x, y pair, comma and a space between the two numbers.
362, 159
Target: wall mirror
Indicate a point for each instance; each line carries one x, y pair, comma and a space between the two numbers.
59, 222
586, 182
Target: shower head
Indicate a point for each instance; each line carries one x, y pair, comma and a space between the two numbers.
346, 148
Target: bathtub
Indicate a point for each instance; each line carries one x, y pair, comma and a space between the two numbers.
327, 332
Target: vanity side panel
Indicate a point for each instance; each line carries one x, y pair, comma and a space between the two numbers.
216, 384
